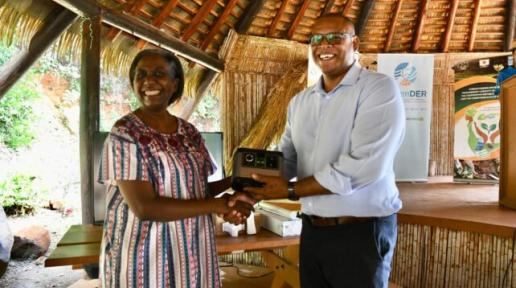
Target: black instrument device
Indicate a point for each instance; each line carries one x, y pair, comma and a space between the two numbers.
248, 161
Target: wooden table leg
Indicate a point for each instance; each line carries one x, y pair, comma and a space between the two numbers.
286, 269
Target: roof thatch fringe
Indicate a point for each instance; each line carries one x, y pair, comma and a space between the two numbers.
17, 26
116, 57
270, 121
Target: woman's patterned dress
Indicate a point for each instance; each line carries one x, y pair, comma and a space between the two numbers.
136, 253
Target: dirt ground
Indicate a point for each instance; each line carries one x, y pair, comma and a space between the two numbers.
32, 273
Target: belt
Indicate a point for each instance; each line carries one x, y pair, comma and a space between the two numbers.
332, 221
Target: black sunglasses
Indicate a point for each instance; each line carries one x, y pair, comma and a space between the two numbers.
331, 38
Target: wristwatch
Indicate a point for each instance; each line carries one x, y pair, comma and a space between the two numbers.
291, 188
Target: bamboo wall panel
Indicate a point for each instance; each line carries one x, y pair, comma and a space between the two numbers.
429, 256
253, 65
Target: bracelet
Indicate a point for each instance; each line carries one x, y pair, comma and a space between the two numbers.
291, 189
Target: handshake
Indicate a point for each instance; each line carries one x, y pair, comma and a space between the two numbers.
238, 207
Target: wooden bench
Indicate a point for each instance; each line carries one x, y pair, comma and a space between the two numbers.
81, 246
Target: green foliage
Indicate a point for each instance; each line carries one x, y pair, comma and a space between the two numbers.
206, 116
18, 196
16, 115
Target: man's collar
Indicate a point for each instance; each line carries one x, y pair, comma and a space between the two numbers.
349, 79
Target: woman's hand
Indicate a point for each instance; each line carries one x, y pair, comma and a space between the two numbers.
240, 206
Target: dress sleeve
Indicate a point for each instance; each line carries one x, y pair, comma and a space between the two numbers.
122, 159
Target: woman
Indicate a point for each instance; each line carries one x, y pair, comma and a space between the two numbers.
158, 230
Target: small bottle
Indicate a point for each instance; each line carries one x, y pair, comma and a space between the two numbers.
250, 225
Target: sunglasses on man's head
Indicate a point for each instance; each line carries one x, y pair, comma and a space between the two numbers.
331, 38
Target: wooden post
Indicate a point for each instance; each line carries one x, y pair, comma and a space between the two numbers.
89, 111
55, 23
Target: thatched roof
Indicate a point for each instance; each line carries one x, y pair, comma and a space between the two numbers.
384, 25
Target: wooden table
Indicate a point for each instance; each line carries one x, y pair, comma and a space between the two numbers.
81, 246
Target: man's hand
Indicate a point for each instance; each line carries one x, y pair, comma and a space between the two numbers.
240, 207
273, 187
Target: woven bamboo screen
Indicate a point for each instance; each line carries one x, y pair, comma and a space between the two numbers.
429, 256
253, 67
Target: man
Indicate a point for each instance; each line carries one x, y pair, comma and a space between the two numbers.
506, 73
340, 141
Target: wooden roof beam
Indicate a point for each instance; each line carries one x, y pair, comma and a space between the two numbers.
158, 21
347, 8
297, 20
275, 22
394, 20
53, 26
144, 31
449, 28
216, 28
247, 18
131, 9
197, 20
476, 16
364, 16
420, 23
510, 24
327, 7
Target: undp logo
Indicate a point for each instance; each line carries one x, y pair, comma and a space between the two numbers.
405, 74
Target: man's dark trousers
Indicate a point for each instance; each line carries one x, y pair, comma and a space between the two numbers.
347, 255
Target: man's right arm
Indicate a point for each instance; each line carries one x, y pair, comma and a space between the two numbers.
286, 146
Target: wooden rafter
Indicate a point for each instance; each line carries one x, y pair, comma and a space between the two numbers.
247, 18
297, 20
449, 28
54, 24
473, 35
143, 31
347, 8
222, 19
199, 17
394, 20
130, 8
420, 23
160, 18
363, 17
327, 7
510, 24
276, 20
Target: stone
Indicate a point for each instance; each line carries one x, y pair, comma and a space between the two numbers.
31, 242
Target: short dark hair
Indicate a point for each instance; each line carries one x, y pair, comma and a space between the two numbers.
339, 16
176, 69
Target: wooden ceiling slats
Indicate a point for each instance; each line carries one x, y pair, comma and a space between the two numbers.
327, 7
449, 28
392, 26
199, 17
130, 8
347, 8
222, 19
276, 20
297, 20
160, 18
420, 25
